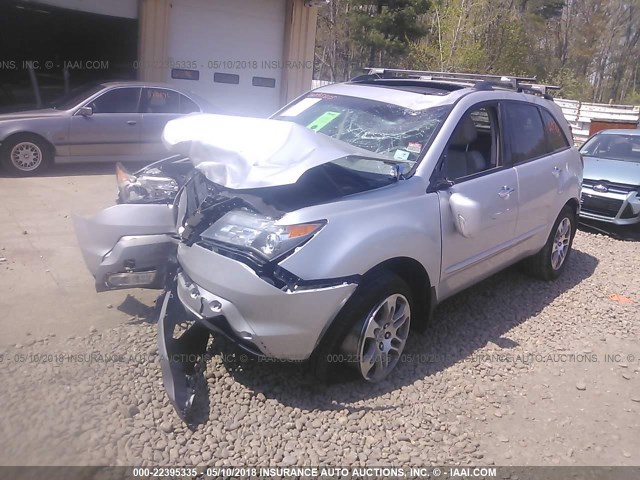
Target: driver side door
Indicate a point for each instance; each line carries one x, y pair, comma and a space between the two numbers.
478, 201
112, 131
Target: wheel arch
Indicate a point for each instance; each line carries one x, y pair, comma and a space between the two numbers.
47, 142
416, 276
47, 148
424, 301
574, 204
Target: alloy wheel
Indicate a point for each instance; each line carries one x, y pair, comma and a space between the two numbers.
560, 246
383, 337
26, 156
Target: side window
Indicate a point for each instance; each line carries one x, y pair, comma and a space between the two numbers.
473, 147
556, 139
527, 136
187, 105
159, 100
119, 100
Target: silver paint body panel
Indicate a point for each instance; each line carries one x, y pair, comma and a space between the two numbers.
402, 220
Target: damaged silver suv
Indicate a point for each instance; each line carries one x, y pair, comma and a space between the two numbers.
331, 230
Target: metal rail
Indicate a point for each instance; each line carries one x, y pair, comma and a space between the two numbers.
524, 84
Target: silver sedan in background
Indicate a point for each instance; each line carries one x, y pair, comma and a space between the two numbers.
115, 121
611, 185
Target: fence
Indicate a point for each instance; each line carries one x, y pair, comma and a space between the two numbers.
320, 83
578, 114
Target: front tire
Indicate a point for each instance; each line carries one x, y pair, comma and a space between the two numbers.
25, 155
549, 263
370, 332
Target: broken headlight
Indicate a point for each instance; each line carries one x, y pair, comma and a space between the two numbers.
259, 234
144, 188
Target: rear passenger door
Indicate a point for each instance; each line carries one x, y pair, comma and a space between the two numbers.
535, 146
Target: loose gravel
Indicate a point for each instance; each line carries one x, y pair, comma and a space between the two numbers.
481, 386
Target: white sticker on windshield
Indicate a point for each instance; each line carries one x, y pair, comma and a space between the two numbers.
300, 107
401, 155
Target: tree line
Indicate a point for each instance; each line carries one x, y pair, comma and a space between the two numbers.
588, 47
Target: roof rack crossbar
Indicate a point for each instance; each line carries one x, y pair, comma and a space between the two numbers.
521, 84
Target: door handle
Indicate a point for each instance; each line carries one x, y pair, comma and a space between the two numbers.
556, 172
131, 122
505, 191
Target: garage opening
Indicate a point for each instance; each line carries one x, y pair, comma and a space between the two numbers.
48, 50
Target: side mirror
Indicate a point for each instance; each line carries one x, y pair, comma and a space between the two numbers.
439, 180
442, 183
85, 111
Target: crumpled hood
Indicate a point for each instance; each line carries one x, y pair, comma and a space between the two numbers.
243, 152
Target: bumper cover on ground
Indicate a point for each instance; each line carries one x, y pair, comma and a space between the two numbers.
179, 357
259, 317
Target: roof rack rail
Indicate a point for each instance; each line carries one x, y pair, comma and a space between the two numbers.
520, 84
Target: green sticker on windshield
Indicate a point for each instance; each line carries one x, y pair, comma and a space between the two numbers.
323, 120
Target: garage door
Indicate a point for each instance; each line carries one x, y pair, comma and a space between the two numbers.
236, 47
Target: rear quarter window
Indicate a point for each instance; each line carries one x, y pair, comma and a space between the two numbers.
556, 139
187, 105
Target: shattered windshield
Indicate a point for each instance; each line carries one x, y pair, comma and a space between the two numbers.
397, 133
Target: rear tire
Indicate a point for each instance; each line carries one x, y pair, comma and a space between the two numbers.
369, 334
549, 263
26, 155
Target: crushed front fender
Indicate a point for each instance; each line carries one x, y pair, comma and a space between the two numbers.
179, 357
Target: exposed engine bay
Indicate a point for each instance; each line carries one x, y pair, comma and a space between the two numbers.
192, 224
200, 205
207, 201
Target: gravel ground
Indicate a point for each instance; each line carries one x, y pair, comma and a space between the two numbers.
487, 384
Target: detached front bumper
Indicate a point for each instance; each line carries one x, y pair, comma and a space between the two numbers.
229, 297
616, 208
257, 316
